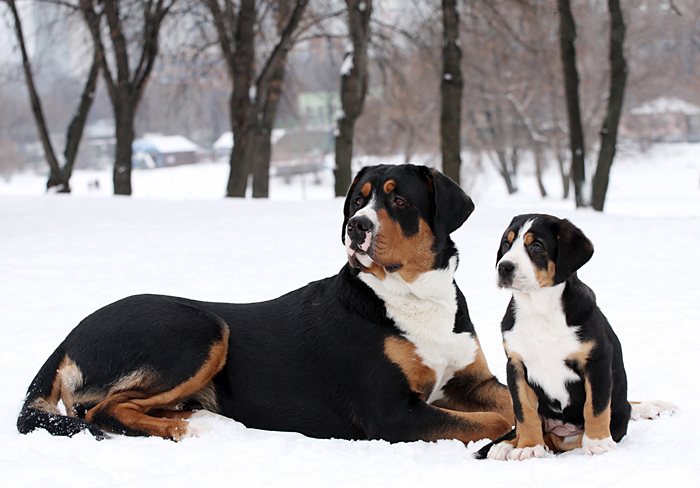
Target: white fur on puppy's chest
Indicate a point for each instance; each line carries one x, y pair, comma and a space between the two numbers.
544, 341
425, 312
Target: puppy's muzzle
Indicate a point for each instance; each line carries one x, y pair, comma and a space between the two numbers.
506, 271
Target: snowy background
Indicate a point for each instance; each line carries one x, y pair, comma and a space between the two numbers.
65, 256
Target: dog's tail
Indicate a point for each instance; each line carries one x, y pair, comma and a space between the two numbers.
40, 409
484, 451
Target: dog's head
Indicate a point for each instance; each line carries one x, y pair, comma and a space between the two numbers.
398, 219
538, 250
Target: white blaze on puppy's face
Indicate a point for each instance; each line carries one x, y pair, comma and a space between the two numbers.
524, 276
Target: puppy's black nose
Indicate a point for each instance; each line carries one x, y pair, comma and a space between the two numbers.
358, 226
505, 268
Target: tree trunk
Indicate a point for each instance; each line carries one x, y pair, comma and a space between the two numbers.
77, 125
37, 111
567, 33
451, 92
121, 175
618, 80
263, 148
353, 90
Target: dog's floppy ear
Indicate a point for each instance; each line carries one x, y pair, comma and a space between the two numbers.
450, 205
574, 250
348, 197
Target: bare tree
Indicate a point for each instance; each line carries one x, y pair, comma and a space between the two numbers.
618, 81
59, 177
354, 81
451, 92
127, 47
254, 98
567, 32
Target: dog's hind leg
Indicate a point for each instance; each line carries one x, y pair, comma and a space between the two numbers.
132, 411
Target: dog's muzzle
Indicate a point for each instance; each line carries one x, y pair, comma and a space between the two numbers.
506, 271
359, 234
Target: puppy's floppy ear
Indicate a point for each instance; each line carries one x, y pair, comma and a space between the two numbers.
348, 197
574, 250
450, 205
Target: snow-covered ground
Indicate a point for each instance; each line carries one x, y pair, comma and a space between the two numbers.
64, 256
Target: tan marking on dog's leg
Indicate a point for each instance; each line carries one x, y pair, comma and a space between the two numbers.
486, 394
471, 426
130, 408
403, 353
595, 426
529, 431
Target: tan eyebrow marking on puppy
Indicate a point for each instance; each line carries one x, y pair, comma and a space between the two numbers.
510, 236
367, 189
389, 186
529, 238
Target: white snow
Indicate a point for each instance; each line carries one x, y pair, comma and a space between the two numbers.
664, 105
64, 256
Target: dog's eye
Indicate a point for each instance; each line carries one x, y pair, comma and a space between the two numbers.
536, 247
399, 202
358, 201
506, 245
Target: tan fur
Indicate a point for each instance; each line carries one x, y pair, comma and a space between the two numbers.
131, 407
530, 429
545, 277
414, 253
366, 189
595, 426
389, 186
403, 353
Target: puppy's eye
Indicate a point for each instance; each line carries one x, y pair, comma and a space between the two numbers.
358, 201
536, 247
506, 245
399, 202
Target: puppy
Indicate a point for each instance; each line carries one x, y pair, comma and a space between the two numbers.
565, 371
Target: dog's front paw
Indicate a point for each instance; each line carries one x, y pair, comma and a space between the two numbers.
598, 446
500, 452
520, 454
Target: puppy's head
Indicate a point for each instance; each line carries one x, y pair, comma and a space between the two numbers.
398, 219
538, 250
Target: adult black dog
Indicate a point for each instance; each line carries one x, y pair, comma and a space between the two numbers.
383, 350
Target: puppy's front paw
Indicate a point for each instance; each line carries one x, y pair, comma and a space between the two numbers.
500, 452
598, 446
520, 454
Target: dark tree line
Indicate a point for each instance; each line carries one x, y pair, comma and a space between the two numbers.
254, 38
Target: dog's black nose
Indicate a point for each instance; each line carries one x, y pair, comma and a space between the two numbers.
359, 226
505, 268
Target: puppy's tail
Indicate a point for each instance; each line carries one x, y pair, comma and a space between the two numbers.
40, 409
484, 451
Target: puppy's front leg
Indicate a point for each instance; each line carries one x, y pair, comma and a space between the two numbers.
528, 426
597, 409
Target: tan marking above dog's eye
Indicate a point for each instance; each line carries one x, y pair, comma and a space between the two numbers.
367, 188
528, 238
510, 236
389, 186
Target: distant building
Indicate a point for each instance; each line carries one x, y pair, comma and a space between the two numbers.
664, 119
155, 150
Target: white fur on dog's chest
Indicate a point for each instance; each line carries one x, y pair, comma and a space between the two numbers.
425, 312
544, 341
